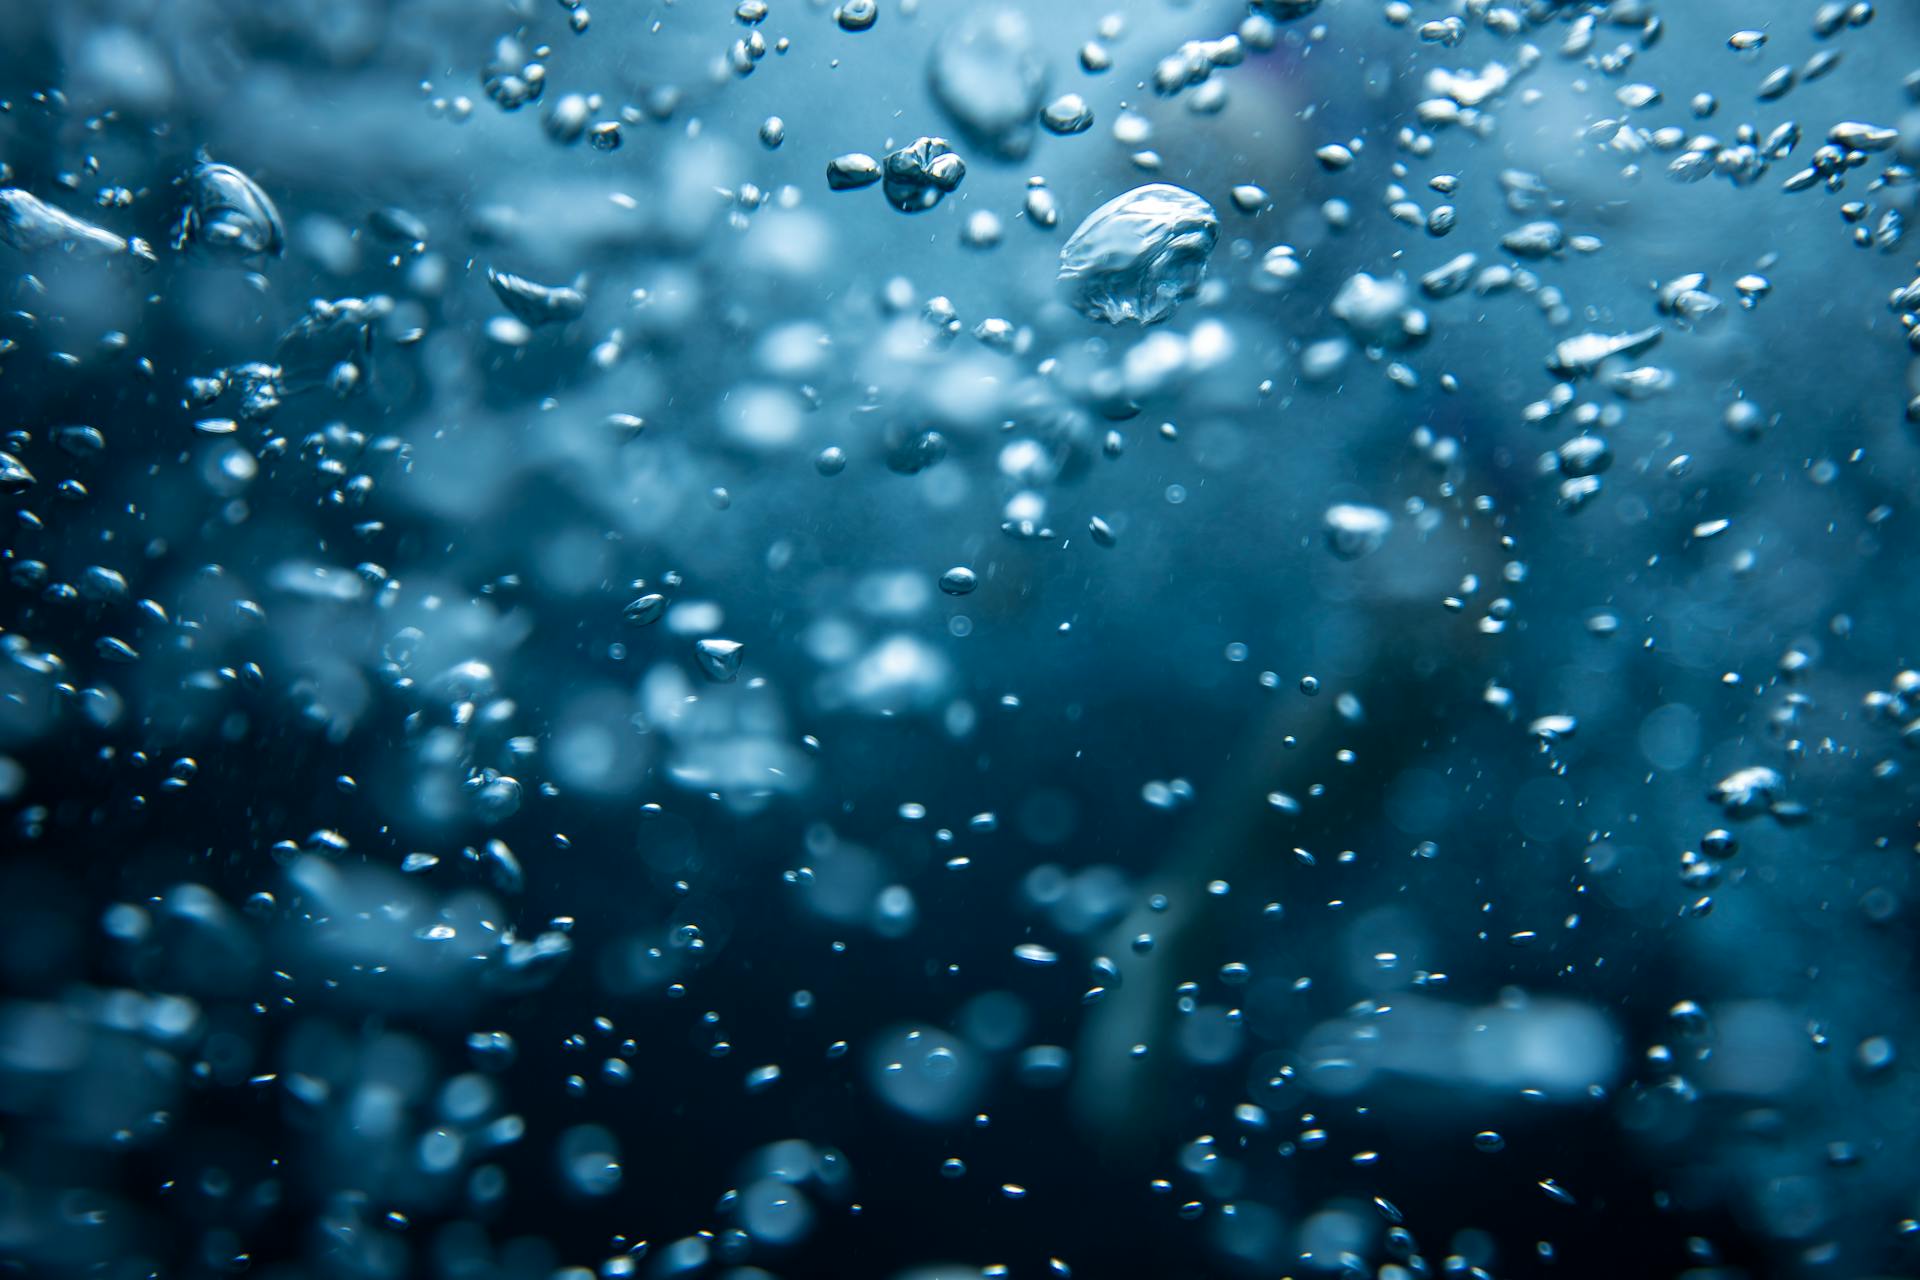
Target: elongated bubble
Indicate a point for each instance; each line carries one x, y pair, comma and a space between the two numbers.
537, 304
31, 225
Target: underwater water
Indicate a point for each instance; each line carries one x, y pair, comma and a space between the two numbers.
944, 639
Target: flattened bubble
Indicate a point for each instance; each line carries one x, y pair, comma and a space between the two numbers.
646, 610
15, 479
1777, 84
80, 442
1853, 135
1067, 114
1753, 289
987, 76
1334, 157
1249, 198
1353, 531
1534, 240
1139, 254
852, 171
1450, 277
227, 212
959, 581
1747, 792
995, 333
114, 649
856, 15
1044, 1066
536, 304
1583, 355
508, 331
1583, 455
1034, 954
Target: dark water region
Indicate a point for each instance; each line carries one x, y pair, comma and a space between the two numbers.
957, 639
